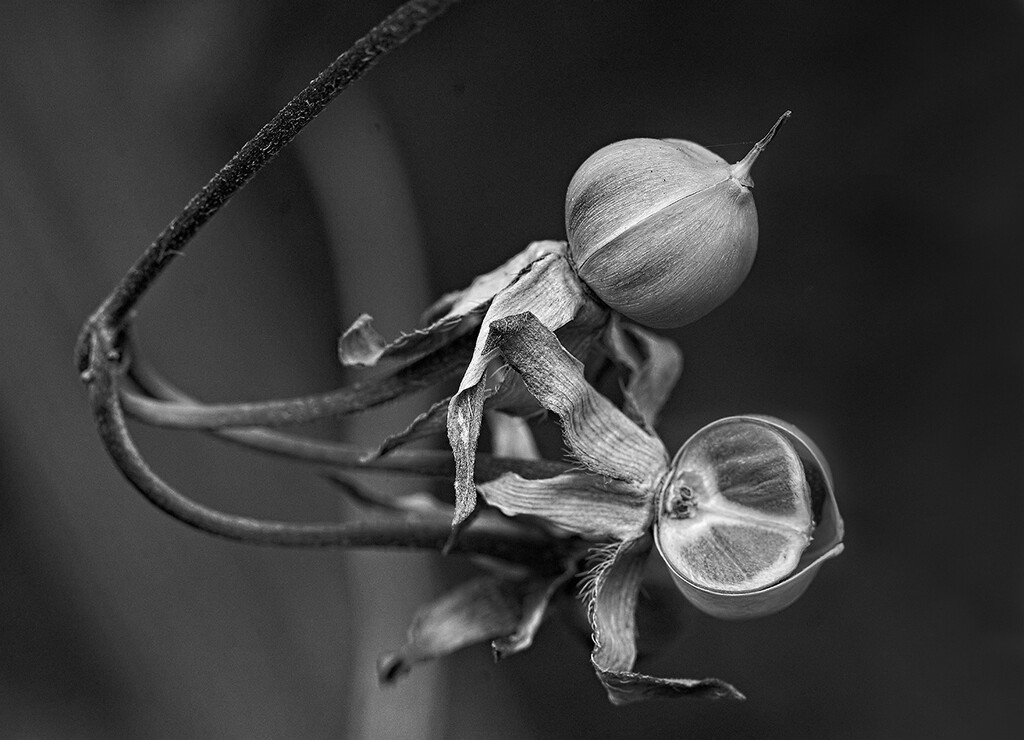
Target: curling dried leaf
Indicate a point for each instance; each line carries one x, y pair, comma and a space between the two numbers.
597, 433
485, 287
454, 314
628, 687
432, 421
611, 595
478, 610
653, 363
363, 346
550, 290
535, 608
583, 503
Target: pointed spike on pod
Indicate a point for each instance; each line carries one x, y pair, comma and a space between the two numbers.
741, 170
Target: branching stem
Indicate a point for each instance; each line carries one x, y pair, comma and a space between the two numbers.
432, 463
101, 359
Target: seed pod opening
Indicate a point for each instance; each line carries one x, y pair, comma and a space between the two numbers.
662, 230
737, 513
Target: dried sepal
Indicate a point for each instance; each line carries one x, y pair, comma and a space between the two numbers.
485, 287
600, 436
653, 365
583, 503
629, 687
361, 345
505, 610
610, 592
549, 289
432, 421
535, 609
478, 610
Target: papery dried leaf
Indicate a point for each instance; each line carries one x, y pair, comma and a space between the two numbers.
611, 595
610, 591
363, 346
455, 313
465, 414
550, 290
587, 504
511, 396
485, 287
597, 433
535, 608
440, 308
654, 365
431, 422
478, 610
361, 343
511, 437
627, 687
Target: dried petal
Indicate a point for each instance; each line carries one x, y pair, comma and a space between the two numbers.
611, 596
598, 434
654, 365
535, 607
454, 314
550, 289
363, 346
481, 609
485, 287
627, 687
583, 503
432, 421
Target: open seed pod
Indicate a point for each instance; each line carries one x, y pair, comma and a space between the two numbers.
746, 516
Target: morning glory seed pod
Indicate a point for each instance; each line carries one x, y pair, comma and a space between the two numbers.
663, 230
746, 516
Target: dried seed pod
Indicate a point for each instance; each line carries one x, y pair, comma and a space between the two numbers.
737, 512
663, 230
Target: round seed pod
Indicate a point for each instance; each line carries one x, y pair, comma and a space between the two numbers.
746, 516
662, 230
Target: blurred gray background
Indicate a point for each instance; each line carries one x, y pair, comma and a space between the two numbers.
883, 315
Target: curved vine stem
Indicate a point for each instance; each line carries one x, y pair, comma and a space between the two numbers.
161, 395
521, 547
390, 33
101, 360
177, 411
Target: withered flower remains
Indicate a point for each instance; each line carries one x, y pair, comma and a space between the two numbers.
658, 234
743, 516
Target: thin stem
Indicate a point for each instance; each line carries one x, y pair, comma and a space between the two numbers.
99, 352
361, 396
542, 553
394, 30
433, 463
